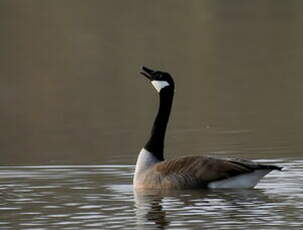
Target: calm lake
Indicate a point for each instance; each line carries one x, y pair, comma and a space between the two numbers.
102, 197
75, 112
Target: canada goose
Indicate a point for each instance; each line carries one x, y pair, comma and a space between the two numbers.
188, 172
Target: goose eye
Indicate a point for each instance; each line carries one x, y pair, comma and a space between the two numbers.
159, 76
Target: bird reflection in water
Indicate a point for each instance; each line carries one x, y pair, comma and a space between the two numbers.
149, 210
151, 214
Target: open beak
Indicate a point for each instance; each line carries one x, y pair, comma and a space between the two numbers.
147, 72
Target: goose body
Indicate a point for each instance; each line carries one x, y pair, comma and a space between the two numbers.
189, 172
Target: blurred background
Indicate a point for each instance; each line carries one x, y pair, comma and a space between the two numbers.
70, 92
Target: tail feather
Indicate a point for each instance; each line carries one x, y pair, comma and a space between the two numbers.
254, 165
271, 167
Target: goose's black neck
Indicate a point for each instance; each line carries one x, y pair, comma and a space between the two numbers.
155, 144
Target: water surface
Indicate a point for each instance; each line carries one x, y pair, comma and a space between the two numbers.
70, 91
71, 95
102, 197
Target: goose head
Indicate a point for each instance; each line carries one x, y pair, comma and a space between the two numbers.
159, 79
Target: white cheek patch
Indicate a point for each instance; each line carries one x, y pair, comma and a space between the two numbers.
159, 85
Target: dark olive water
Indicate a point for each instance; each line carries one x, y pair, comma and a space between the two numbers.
74, 112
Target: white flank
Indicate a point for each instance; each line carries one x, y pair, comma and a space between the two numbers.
144, 161
248, 180
159, 85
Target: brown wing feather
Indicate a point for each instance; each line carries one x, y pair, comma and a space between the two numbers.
191, 172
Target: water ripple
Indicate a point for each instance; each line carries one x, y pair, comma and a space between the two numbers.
101, 197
